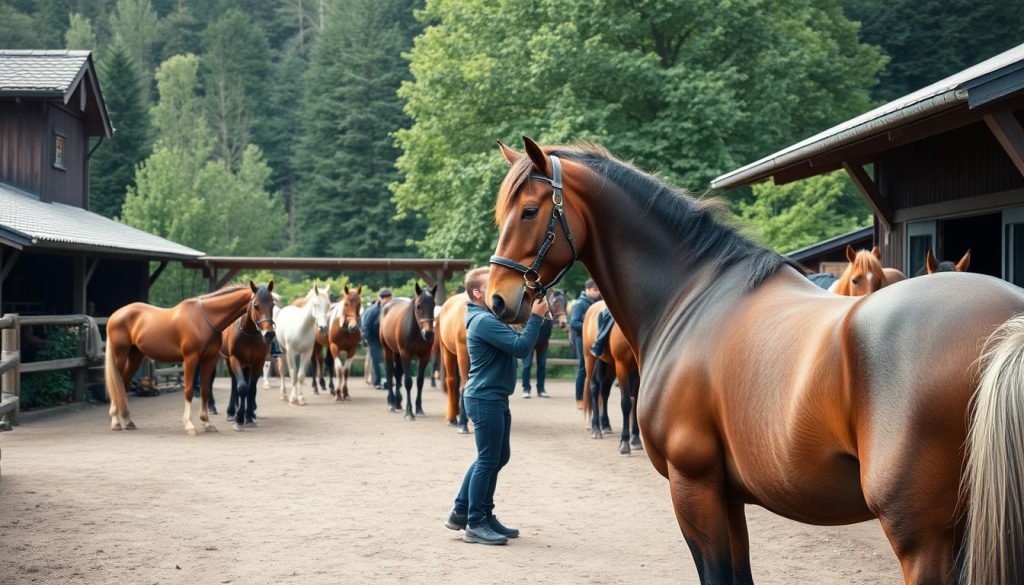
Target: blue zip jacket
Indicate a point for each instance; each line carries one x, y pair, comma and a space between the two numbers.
494, 351
371, 323
579, 311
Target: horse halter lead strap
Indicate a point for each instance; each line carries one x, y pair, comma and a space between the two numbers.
531, 274
202, 309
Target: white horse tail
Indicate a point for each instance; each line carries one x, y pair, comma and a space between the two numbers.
994, 478
115, 388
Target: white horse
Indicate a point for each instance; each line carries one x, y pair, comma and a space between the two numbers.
296, 332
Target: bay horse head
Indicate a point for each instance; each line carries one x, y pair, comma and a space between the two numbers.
932, 265
540, 235
351, 305
423, 310
319, 301
864, 274
261, 309
557, 303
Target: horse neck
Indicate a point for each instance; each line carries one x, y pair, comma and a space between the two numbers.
412, 326
224, 309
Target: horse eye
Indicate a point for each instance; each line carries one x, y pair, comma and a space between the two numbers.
856, 281
530, 213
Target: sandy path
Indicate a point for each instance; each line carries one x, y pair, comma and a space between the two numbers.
349, 493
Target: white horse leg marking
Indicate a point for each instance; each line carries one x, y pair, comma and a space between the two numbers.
186, 418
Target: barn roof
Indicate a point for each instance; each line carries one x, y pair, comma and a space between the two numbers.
975, 86
25, 221
55, 74
841, 241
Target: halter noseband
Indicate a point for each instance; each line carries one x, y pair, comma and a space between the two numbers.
252, 307
531, 274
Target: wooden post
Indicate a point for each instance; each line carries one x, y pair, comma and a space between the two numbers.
81, 375
11, 349
441, 295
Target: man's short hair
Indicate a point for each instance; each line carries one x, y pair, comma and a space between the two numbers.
384, 292
590, 283
476, 278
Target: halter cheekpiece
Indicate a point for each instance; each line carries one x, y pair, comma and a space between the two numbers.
531, 274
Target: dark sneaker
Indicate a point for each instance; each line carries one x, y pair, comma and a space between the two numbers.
501, 529
455, 521
483, 534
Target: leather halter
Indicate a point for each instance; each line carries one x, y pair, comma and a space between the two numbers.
248, 313
531, 274
202, 309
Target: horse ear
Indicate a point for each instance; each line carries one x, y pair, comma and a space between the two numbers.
316, 289
433, 290
540, 160
359, 290
270, 286
929, 263
876, 252
346, 289
419, 290
964, 262
851, 255
510, 155
253, 286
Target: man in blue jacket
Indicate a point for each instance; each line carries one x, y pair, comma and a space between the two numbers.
588, 297
493, 351
370, 325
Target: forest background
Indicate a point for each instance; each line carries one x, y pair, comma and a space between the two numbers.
366, 128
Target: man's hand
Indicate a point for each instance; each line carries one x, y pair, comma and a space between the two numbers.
540, 308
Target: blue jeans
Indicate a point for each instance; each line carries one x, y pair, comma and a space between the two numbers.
376, 359
581, 370
542, 366
492, 422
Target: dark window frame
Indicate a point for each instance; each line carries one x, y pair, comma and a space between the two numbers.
62, 140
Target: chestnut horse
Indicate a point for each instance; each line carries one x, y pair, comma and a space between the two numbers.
451, 333
245, 345
343, 337
189, 332
863, 275
407, 332
617, 355
932, 266
759, 388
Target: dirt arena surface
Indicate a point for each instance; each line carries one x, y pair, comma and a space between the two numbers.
348, 493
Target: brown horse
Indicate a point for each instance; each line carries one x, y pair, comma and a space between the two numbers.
619, 356
190, 333
759, 388
344, 337
863, 275
245, 345
932, 266
451, 333
407, 332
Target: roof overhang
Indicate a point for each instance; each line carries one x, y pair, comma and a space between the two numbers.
368, 264
824, 246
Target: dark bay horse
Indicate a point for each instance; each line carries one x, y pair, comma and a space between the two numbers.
407, 332
758, 387
189, 332
245, 345
343, 337
931, 265
619, 357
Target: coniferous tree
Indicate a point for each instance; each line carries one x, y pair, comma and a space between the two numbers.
112, 168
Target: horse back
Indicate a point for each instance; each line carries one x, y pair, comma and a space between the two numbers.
451, 330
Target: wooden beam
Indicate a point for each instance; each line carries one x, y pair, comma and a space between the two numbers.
426, 277
156, 273
231, 273
869, 189
442, 277
8, 264
1007, 130
90, 268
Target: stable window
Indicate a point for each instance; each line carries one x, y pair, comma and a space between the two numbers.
920, 239
58, 150
1013, 245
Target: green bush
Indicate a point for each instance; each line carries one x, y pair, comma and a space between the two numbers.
42, 389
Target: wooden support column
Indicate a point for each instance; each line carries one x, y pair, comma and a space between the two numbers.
224, 280
429, 280
869, 189
442, 282
1008, 132
10, 382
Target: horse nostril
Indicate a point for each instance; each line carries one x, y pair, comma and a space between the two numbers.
497, 304
269, 335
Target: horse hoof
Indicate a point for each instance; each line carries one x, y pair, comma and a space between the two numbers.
346, 397
452, 423
636, 443
419, 412
191, 432
624, 448
316, 392
251, 424
210, 429
116, 426
410, 417
130, 426
333, 393
238, 427
596, 435
302, 401
462, 431
606, 429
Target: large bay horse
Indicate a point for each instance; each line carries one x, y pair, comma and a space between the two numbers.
296, 332
343, 337
407, 332
245, 346
759, 388
618, 356
189, 332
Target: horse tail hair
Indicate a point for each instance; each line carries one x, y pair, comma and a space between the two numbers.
994, 476
114, 382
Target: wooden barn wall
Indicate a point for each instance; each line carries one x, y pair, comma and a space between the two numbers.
961, 163
116, 283
68, 185
22, 127
39, 284
892, 252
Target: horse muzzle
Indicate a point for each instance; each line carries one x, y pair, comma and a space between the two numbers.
269, 335
427, 334
511, 312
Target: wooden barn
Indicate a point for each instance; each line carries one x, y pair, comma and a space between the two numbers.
942, 168
56, 257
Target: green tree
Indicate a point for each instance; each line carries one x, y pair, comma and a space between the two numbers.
17, 28
789, 217
80, 34
112, 167
138, 25
689, 88
346, 154
178, 116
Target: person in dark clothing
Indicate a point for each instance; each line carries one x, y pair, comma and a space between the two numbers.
588, 297
493, 349
605, 322
541, 351
370, 325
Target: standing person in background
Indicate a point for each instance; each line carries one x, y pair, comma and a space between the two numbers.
540, 349
588, 297
493, 348
371, 333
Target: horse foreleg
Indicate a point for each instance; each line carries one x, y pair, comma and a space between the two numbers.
331, 375
207, 372
343, 376
400, 367
595, 380
250, 411
739, 543
189, 367
389, 371
407, 367
124, 420
282, 371
298, 378
606, 392
419, 389
634, 385
626, 404
702, 513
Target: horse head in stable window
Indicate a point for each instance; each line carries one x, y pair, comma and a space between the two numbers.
864, 274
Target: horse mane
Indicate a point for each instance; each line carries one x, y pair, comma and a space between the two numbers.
702, 230
227, 289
